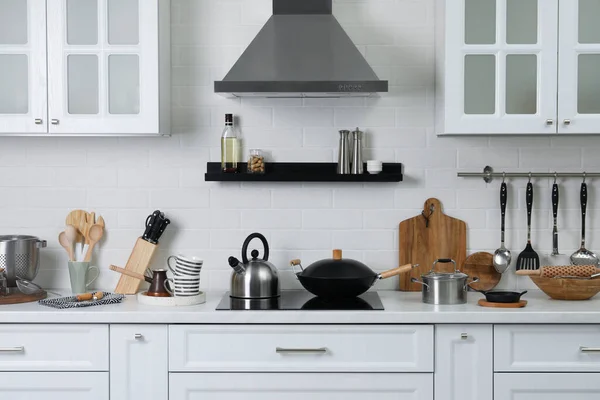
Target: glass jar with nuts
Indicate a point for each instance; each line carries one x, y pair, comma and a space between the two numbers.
256, 162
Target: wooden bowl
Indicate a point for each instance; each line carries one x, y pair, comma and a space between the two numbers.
568, 289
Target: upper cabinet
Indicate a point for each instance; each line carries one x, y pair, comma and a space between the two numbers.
85, 67
509, 67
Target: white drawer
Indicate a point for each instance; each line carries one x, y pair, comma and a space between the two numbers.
53, 347
297, 348
547, 348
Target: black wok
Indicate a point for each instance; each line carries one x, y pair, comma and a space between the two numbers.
341, 278
501, 296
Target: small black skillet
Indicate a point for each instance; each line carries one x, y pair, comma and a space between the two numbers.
502, 296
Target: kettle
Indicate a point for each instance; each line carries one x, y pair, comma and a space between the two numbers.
256, 278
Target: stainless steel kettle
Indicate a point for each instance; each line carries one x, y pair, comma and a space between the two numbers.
256, 278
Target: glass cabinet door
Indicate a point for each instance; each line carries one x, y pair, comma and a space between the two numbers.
23, 66
579, 59
501, 66
104, 63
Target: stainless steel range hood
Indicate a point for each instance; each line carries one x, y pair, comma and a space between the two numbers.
302, 51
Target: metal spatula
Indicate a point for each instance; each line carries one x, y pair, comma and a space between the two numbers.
528, 259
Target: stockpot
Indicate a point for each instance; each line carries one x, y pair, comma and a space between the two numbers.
444, 288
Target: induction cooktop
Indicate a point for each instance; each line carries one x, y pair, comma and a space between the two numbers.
294, 300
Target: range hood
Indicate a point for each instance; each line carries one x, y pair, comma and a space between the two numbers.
302, 51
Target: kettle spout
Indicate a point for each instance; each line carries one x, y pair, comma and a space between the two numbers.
237, 266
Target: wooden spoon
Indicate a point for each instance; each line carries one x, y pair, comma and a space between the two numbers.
66, 244
94, 235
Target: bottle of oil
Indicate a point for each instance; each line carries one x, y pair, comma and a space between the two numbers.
230, 147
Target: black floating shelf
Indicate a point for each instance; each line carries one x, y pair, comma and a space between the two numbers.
302, 172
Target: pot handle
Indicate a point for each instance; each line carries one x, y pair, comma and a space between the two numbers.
396, 271
415, 280
255, 235
475, 280
41, 244
444, 261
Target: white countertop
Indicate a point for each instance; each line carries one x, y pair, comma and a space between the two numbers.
400, 308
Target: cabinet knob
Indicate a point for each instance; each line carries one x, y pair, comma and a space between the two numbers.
39, 121
138, 336
55, 121
549, 122
464, 336
567, 122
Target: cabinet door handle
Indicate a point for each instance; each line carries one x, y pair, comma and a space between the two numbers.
567, 122
320, 350
584, 349
464, 336
39, 121
549, 122
138, 336
18, 349
55, 121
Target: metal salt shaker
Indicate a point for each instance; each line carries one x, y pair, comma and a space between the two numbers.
343, 166
357, 162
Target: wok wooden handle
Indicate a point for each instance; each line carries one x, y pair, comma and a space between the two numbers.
126, 272
395, 271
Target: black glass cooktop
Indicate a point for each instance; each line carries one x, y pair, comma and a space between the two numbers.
303, 300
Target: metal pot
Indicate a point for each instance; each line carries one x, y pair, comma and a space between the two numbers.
255, 278
20, 257
442, 288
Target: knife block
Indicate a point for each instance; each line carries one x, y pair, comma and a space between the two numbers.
139, 261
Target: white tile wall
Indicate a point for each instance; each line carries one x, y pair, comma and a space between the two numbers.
126, 179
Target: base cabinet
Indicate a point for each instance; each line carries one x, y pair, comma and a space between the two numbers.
547, 386
139, 362
273, 386
54, 385
463, 362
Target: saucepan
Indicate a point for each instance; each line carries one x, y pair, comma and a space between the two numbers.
337, 277
444, 288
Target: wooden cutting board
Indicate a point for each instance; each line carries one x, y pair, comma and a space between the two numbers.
423, 242
481, 265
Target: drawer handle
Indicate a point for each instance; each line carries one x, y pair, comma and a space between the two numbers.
19, 349
321, 350
589, 349
138, 336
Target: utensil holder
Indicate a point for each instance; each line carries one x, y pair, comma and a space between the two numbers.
139, 261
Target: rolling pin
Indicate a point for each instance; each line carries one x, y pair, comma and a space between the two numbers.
584, 271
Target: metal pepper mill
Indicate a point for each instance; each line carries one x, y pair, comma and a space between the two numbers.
357, 161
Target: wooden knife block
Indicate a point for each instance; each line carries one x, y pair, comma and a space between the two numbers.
139, 261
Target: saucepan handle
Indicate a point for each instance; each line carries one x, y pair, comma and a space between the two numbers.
396, 271
415, 280
474, 280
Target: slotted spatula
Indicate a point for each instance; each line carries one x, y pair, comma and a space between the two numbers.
528, 259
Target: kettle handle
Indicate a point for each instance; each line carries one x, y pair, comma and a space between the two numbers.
255, 235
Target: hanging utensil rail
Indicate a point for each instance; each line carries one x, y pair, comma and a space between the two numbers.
488, 174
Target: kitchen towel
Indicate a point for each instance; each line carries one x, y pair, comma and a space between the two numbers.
71, 301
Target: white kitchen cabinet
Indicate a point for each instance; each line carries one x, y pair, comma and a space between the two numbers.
23, 103
301, 348
139, 362
54, 385
579, 63
463, 362
517, 67
276, 386
546, 386
96, 67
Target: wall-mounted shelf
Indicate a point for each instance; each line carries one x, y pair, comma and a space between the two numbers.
303, 172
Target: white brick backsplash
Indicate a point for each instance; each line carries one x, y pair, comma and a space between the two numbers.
302, 198
271, 219
332, 219
179, 198
363, 240
362, 198
126, 179
302, 117
239, 199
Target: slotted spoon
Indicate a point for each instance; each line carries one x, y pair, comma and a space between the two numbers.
528, 259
